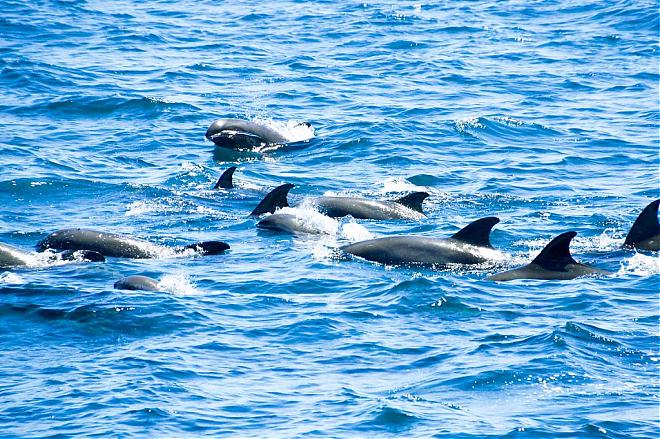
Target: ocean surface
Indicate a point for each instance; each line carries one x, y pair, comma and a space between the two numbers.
543, 113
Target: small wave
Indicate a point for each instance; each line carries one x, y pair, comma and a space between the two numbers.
390, 418
502, 128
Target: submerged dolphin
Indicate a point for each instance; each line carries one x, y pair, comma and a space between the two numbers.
554, 262
13, 257
407, 207
137, 283
645, 232
286, 222
243, 134
110, 244
226, 179
470, 245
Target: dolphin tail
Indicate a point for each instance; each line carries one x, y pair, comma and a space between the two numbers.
225, 181
556, 255
207, 247
413, 201
646, 225
275, 199
477, 232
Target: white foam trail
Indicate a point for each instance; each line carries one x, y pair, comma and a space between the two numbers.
355, 232
312, 219
400, 184
640, 265
292, 130
179, 284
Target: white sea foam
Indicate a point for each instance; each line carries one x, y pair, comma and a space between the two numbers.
10, 278
355, 232
179, 284
400, 184
313, 220
292, 130
640, 265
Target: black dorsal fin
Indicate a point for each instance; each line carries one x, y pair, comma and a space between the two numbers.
225, 181
556, 255
646, 225
477, 232
275, 199
413, 201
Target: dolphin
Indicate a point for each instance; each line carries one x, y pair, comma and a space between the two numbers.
553, 263
286, 222
470, 245
143, 283
243, 134
110, 244
12, 257
408, 207
226, 181
645, 232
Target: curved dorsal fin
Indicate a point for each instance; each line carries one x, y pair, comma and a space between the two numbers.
225, 181
646, 225
413, 201
556, 255
477, 232
275, 199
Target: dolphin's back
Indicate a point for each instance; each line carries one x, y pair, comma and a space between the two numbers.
365, 209
107, 244
11, 257
137, 283
416, 250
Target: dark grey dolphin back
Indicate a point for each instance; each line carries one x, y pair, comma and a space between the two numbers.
413, 201
276, 199
477, 232
646, 225
226, 179
556, 255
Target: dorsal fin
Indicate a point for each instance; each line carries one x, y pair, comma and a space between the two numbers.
556, 255
225, 181
477, 232
413, 201
646, 225
275, 199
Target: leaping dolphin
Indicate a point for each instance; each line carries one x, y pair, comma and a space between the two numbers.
553, 263
407, 207
470, 245
243, 134
111, 244
645, 232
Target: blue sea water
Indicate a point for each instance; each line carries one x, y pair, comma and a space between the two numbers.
543, 113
